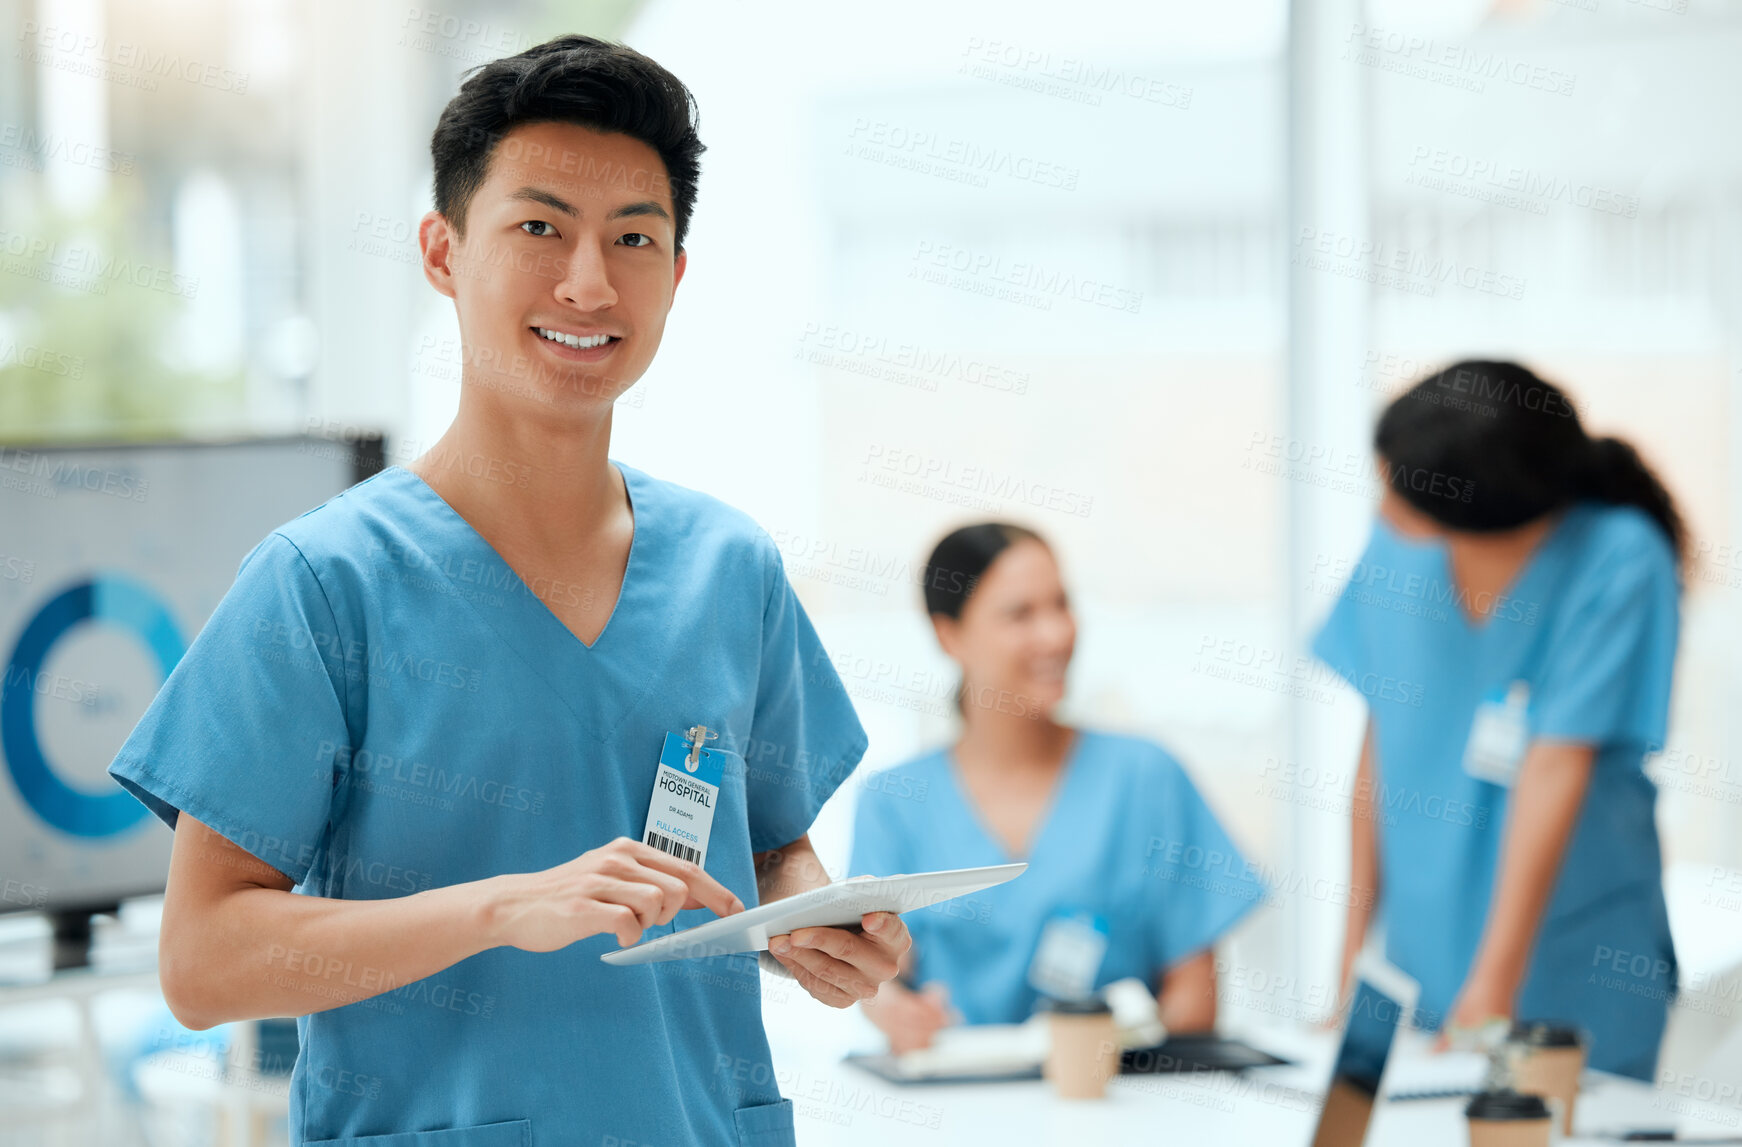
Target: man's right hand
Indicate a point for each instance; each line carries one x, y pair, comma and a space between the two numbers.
624, 887
910, 1019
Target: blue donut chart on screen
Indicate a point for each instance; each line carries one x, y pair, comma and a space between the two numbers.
113, 557
110, 599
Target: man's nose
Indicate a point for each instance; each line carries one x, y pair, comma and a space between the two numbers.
586, 280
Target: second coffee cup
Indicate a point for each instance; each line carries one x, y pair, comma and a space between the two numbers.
1509, 1119
1547, 1059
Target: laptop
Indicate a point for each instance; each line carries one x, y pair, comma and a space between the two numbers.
1382, 1002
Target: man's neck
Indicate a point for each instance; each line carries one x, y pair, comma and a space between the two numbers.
542, 483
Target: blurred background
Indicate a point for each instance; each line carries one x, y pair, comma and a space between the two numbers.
1138, 275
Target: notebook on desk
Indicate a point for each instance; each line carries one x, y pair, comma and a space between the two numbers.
997, 1053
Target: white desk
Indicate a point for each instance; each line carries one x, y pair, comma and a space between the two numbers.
1275, 1107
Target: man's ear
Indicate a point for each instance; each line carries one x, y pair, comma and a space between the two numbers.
683, 260
437, 240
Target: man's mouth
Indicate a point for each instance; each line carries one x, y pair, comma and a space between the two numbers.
578, 342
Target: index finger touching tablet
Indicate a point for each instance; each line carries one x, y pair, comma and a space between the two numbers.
705, 891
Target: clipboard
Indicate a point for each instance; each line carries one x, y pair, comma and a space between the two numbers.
836, 905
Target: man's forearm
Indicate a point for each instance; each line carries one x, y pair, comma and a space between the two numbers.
267, 952
782, 872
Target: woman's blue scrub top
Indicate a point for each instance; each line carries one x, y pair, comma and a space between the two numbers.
1127, 839
380, 705
1590, 626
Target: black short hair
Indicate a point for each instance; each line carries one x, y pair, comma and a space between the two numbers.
571, 79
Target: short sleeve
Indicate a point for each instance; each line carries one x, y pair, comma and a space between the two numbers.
804, 722
1206, 881
1339, 642
1606, 675
879, 844
246, 732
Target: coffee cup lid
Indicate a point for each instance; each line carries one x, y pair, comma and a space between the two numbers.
1087, 1006
1506, 1105
1547, 1033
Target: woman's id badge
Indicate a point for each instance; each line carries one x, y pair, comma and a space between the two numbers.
1498, 736
685, 791
1067, 961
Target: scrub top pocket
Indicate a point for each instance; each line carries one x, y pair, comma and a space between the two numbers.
765, 1125
512, 1133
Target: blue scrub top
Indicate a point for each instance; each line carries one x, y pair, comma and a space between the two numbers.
1590, 625
1127, 838
380, 706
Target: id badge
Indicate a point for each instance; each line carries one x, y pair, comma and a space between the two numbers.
1067, 961
686, 790
1499, 736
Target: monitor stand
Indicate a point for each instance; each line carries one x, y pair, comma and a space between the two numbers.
72, 934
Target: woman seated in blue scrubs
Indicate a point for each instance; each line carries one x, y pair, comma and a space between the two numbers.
1512, 625
464, 728
1129, 872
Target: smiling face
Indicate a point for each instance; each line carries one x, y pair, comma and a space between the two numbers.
1016, 633
567, 268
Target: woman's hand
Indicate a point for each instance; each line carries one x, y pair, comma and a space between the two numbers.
624, 887
910, 1019
840, 967
1483, 1008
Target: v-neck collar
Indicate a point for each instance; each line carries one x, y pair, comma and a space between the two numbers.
629, 567
1060, 791
1527, 573
596, 684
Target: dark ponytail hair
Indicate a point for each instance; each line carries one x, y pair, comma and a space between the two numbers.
959, 562
1487, 446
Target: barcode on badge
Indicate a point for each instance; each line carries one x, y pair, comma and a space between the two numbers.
676, 848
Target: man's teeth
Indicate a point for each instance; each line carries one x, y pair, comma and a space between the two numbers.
575, 341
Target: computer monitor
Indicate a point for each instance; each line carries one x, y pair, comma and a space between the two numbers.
1381, 1001
111, 559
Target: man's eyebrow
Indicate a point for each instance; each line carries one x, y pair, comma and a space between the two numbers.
626, 211
546, 198
643, 207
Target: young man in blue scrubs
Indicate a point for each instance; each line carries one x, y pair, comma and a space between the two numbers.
412, 757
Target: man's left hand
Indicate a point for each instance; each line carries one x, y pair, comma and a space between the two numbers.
840, 967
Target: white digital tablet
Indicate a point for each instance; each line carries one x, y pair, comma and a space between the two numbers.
836, 905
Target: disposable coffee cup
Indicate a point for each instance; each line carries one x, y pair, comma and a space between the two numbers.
1547, 1059
1084, 1050
1509, 1119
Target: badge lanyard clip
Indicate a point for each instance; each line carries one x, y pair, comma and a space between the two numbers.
698, 736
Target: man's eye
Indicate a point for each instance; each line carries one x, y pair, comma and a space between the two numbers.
549, 230
647, 240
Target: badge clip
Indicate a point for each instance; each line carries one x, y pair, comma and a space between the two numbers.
698, 735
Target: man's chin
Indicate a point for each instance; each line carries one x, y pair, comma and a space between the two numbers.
574, 390
1039, 699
